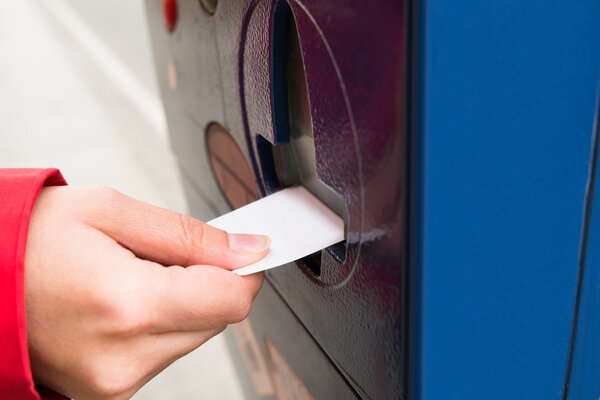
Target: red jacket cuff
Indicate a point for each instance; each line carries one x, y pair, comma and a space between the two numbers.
18, 191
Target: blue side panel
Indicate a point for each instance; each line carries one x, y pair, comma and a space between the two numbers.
506, 94
584, 382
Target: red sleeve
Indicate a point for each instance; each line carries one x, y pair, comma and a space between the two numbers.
18, 191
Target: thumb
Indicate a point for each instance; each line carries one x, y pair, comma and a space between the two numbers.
169, 238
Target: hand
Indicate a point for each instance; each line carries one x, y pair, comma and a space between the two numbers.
116, 289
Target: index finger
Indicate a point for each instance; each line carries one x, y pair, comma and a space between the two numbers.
170, 238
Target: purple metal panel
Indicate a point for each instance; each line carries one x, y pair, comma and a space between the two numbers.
353, 60
307, 359
256, 71
354, 75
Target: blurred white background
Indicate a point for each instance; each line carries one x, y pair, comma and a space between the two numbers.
78, 92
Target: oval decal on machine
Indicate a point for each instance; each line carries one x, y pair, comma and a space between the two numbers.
230, 168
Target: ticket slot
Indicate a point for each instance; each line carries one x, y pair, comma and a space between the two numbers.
291, 160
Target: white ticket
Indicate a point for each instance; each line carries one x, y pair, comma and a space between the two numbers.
297, 222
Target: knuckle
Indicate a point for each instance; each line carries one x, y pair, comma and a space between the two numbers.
125, 315
99, 197
129, 324
90, 203
241, 310
220, 330
105, 193
108, 379
132, 322
191, 232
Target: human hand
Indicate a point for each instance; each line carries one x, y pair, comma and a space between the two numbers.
116, 289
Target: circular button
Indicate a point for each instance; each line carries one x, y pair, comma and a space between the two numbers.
209, 5
170, 13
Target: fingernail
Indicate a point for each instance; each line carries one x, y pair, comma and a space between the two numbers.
246, 243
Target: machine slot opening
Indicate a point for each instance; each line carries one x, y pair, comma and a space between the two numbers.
293, 156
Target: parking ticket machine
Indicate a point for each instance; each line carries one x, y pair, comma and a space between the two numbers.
456, 141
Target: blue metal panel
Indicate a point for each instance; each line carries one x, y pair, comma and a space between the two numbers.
506, 93
583, 376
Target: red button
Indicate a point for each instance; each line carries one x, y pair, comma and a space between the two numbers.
170, 13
